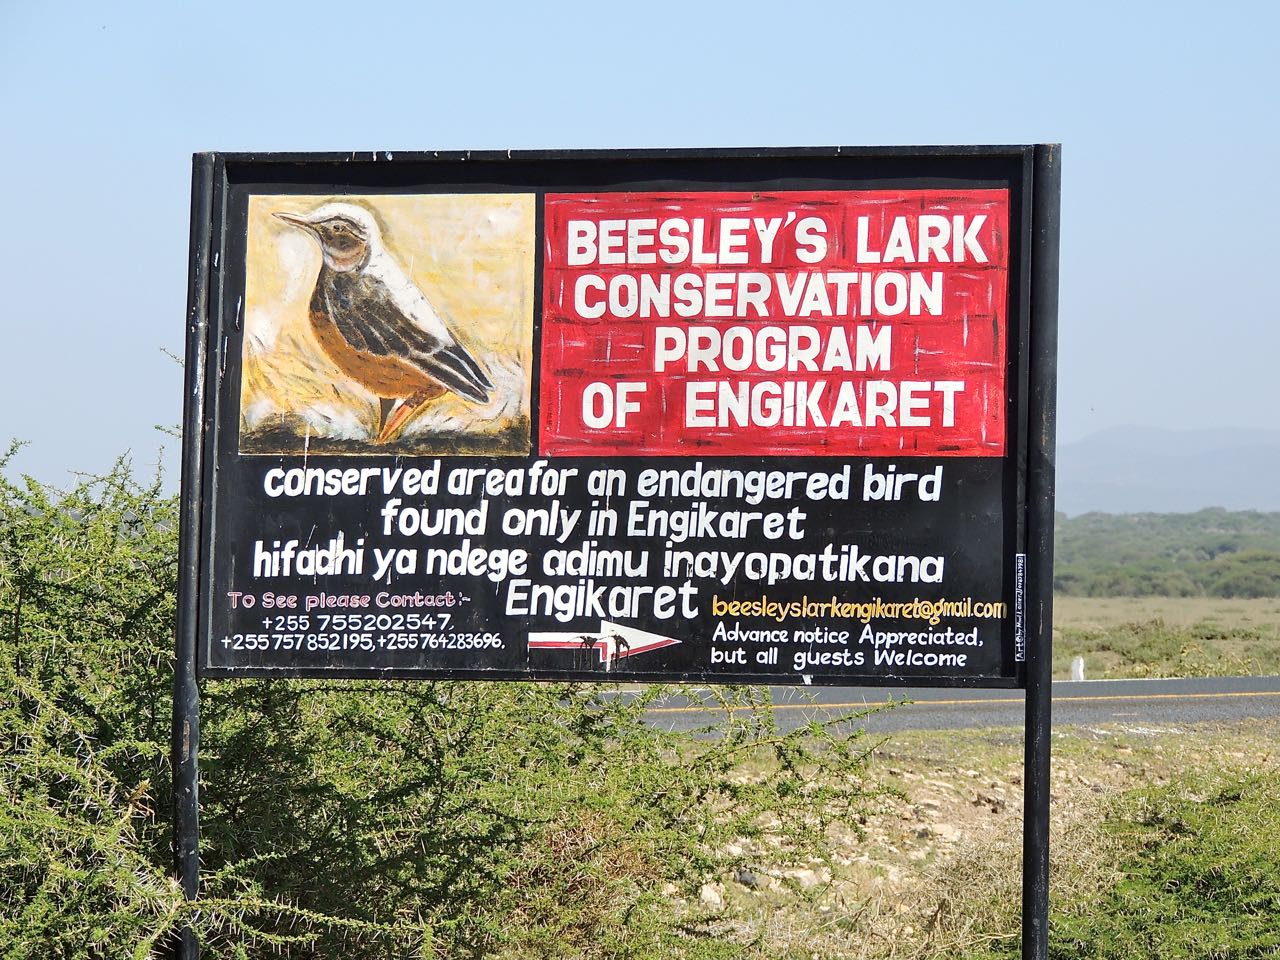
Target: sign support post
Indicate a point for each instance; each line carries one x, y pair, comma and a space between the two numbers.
186, 691
1040, 503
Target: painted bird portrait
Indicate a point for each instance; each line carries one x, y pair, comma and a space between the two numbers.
377, 326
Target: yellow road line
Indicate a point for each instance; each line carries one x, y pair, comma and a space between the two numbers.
943, 703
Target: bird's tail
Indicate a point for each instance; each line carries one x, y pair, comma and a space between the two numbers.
454, 367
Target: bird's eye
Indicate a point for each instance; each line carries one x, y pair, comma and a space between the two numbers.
338, 228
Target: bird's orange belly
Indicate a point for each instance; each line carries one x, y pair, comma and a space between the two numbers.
384, 376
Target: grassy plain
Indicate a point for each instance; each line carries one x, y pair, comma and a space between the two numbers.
1166, 636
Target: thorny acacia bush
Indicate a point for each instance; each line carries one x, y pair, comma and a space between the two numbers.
352, 819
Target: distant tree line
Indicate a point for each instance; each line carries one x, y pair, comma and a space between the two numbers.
1211, 553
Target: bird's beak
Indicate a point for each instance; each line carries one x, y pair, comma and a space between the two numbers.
293, 219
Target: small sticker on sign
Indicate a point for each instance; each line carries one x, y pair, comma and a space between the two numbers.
1020, 609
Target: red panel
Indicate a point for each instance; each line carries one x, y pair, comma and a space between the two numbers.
842, 323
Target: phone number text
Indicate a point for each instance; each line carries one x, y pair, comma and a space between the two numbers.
338, 641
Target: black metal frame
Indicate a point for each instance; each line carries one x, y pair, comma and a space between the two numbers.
1034, 374
186, 690
1045, 212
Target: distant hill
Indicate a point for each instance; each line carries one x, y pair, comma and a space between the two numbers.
1207, 553
1138, 469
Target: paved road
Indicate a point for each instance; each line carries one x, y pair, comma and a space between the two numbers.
1133, 703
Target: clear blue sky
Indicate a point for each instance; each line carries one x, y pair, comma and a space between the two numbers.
1167, 113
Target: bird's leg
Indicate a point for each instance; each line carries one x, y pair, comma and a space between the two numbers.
385, 405
401, 414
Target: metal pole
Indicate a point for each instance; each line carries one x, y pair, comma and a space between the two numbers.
1046, 197
186, 693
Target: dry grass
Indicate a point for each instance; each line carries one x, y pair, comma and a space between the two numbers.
937, 873
1103, 612
1166, 636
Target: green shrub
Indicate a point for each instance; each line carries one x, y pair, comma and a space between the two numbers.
1154, 648
1201, 881
354, 819
86, 612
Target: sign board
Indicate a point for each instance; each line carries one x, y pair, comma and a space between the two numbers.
739, 415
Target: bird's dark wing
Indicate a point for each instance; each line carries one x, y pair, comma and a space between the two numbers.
367, 316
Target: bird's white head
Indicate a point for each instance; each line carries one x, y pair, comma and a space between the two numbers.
347, 233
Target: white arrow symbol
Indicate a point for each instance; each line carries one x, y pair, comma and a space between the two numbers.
612, 643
